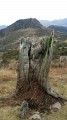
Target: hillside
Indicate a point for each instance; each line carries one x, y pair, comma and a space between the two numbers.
58, 28
9, 37
21, 24
60, 22
11, 41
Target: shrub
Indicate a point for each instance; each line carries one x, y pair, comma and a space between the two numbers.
11, 54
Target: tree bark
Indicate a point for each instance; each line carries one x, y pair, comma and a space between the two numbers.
34, 62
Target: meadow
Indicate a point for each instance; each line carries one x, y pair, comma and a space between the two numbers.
8, 80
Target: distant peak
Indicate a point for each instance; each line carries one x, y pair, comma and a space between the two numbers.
22, 24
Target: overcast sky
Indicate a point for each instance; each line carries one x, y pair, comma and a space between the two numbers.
12, 10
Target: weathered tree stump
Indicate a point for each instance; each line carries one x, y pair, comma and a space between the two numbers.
34, 62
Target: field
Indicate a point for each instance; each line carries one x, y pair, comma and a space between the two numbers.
8, 79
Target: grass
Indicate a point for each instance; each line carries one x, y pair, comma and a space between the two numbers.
9, 55
58, 80
65, 41
9, 113
59, 115
7, 82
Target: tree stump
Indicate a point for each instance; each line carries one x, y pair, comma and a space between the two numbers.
34, 62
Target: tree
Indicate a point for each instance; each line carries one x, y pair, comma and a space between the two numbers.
34, 62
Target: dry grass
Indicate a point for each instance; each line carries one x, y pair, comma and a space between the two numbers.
65, 41
9, 113
59, 115
58, 80
7, 82
6, 73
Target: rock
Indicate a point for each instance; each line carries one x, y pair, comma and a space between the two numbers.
35, 117
24, 109
57, 105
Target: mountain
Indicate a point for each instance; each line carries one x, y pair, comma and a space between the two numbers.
60, 22
21, 24
58, 28
9, 37
2, 26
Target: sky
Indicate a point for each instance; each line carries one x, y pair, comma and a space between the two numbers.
13, 10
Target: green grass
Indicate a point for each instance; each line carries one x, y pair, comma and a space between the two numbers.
12, 54
59, 49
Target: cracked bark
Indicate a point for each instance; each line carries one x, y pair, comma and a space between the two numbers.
34, 63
